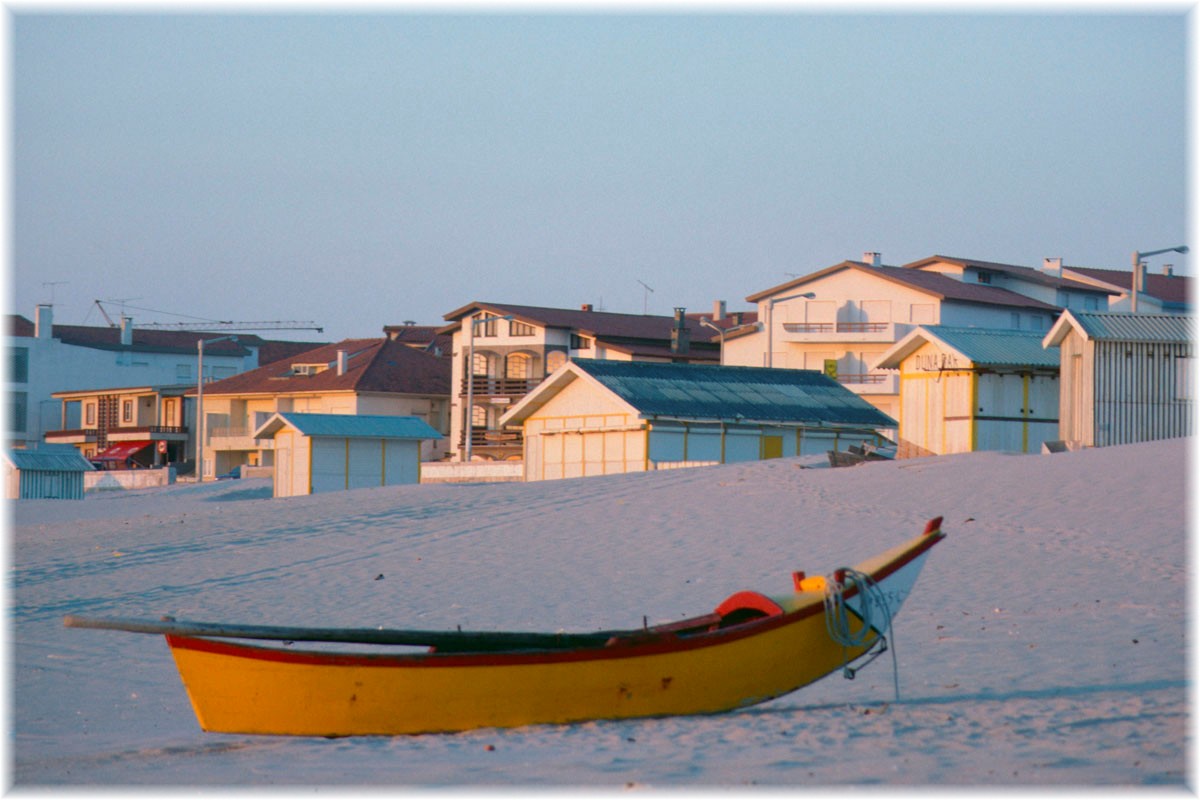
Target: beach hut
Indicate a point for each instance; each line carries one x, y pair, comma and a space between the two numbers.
597, 417
1125, 377
44, 474
332, 452
968, 389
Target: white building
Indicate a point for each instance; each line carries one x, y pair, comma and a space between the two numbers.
842, 319
46, 358
512, 348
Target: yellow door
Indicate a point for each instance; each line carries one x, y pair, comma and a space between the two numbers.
772, 447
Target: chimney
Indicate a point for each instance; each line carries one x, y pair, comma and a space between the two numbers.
341, 362
126, 330
718, 310
1052, 266
43, 321
680, 341
586, 307
1169, 270
872, 258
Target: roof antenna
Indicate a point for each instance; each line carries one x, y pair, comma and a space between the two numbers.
645, 296
52, 284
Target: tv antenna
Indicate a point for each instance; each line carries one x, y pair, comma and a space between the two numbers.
52, 284
645, 296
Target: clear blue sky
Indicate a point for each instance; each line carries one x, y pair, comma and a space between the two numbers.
359, 171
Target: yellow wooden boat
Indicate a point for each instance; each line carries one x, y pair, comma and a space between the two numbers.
750, 649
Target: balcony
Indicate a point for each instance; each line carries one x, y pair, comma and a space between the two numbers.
498, 445
871, 382
158, 433
167, 433
483, 386
236, 437
74, 436
839, 331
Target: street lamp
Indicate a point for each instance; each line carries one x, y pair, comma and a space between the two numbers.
470, 415
1137, 270
200, 401
706, 322
771, 321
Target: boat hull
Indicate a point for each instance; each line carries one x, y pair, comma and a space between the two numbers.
242, 688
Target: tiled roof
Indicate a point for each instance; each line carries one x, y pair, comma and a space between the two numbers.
935, 284
153, 341
355, 426
1028, 274
600, 324
705, 392
1125, 327
163, 341
372, 365
19, 326
272, 350
1168, 288
641, 350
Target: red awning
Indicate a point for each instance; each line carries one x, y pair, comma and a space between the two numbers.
120, 451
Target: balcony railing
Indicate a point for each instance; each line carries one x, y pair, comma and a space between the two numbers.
147, 431
861, 377
483, 386
835, 327
490, 438
117, 434
73, 435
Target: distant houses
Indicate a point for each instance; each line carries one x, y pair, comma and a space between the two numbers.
947, 355
510, 349
381, 376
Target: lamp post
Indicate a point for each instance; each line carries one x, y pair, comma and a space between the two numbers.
200, 401
1137, 270
708, 323
771, 321
470, 415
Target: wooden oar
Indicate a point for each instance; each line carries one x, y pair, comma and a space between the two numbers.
445, 641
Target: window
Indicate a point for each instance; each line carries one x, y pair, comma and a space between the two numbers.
1091, 303
518, 366
19, 403
983, 276
487, 328
126, 411
170, 410
20, 364
184, 373
1016, 321
89, 414
580, 343
519, 328
554, 360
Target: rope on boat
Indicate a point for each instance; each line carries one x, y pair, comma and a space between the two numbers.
837, 619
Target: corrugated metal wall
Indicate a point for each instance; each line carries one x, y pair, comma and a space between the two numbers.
45, 485
1136, 392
